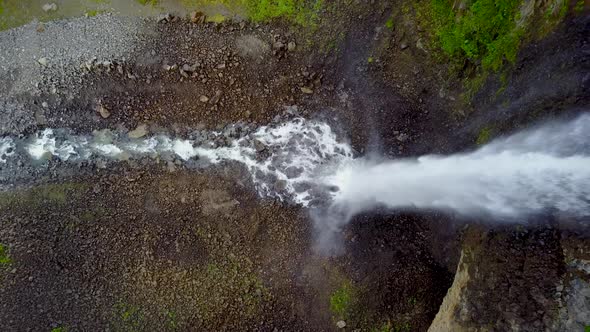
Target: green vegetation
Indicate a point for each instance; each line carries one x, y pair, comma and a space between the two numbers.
579, 7
4, 257
47, 194
481, 38
389, 23
341, 300
171, 320
148, 2
587, 328
393, 327
484, 136
485, 32
59, 329
301, 12
128, 317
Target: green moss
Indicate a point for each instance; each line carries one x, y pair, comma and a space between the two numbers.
301, 12
341, 300
484, 136
48, 194
148, 2
370, 59
483, 37
127, 317
4, 257
579, 7
389, 23
393, 327
171, 320
59, 329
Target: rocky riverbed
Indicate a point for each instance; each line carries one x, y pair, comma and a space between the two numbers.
165, 243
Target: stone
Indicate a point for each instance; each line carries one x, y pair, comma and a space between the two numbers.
217, 97
164, 18
49, 7
293, 172
278, 45
291, 46
138, 132
203, 99
341, 324
306, 90
198, 17
103, 111
188, 68
403, 45
259, 146
43, 61
280, 185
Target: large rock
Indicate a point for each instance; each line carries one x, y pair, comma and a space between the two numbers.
513, 280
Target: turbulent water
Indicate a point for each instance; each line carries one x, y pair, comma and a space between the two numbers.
285, 159
545, 168
542, 169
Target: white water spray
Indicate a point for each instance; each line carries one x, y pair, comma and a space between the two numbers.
284, 158
530, 172
303, 161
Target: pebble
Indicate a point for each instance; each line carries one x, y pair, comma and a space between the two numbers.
49, 7
103, 111
42, 61
138, 132
306, 90
204, 99
341, 324
291, 46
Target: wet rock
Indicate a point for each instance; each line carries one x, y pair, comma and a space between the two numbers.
138, 132
301, 187
292, 172
259, 146
49, 7
280, 185
104, 113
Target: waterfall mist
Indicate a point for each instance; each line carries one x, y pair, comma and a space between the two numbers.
546, 168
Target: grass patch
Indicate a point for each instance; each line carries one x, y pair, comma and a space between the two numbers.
478, 40
301, 12
59, 329
579, 7
484, 136
43, 195
148, 2
341, 300
128, 317
389, 23
4, 257
393, 327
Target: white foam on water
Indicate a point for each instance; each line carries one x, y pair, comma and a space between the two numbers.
294, 152
542, 169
